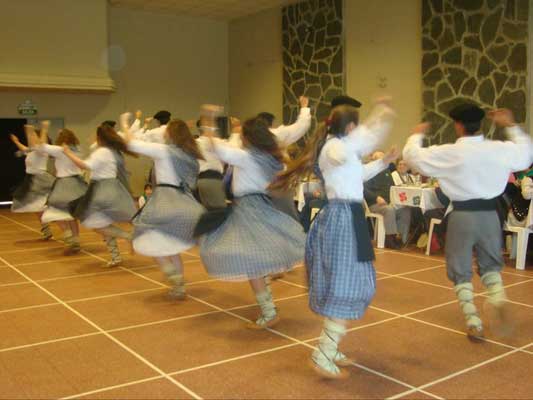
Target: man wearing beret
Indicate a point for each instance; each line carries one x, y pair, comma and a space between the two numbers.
473, 172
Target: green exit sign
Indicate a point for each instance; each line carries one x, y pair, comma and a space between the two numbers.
27, 108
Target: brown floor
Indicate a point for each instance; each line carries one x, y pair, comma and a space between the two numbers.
69, 328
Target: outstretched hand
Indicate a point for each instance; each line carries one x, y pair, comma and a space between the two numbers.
304, 101
124, 121
236, 126
138, 114
14, 139
422, 128
392, 155
502, 117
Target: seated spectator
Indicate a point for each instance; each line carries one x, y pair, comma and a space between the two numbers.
520, 194
377, 195
146, 195
402, 175
437, 241
315, 199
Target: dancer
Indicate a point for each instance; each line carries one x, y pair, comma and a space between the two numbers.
256, 240
211, 192
107, 200
154, 135
164, 226
473, 172
31, 195
68, 186
339, 254
285, 136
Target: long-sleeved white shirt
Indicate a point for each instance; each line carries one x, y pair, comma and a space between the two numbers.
340, 160
64, 165
102, 163
165, 172
36, 162
472, 167
211, 161
285, 134
248, 177
155, 135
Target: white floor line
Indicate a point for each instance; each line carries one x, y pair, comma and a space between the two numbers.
107, 296
279, 333
45, 342
28, 307
62, 259
228, 360
55, 245
106, 389
465, 370
296, 341
109, 336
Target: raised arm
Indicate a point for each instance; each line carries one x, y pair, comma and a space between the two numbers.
428, 161
19, 145
371, 169
366, 138
75, 159
152, 150
289, 134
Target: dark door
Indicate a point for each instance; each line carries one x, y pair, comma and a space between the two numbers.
11, 167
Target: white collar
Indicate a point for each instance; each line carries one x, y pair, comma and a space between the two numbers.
475, 139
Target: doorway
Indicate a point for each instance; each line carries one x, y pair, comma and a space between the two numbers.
12, 169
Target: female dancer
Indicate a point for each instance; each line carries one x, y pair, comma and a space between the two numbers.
30, 196
256, 240
339, 252
164, 226
107, 200
68, 186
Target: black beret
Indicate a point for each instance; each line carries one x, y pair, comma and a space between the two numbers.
345, 101
165, 115
467, 113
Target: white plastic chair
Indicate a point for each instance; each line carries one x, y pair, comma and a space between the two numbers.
521, 239
433, 222
378, 224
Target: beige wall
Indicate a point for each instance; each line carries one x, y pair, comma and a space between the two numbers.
255, 65
171, 62
67, 50
383, 40
383, 47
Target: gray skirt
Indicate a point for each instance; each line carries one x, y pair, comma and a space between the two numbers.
340, 286
256, 240
106, 201
32, 193
65, 191
165, 225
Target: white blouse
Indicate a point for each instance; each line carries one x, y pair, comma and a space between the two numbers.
340, 160
64, 165
164, 167
472, 167
248, 176
211, 161
36, 162
156, 135
289, 134
102, 163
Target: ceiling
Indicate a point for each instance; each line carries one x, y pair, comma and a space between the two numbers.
216, 9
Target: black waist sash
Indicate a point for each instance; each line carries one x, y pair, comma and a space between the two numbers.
210, 174
365, 251
212, 219
476, 205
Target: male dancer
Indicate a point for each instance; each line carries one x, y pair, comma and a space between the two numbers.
472, 172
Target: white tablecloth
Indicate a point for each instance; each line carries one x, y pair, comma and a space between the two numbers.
414, 196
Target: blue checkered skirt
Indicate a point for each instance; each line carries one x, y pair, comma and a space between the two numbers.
340, 286
256, 240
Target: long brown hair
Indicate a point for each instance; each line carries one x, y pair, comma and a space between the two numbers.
256, 133
303, 166
179, 134
67, 137
108, 137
